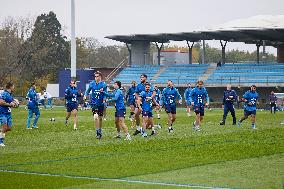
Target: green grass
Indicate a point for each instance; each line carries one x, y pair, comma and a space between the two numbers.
222, 156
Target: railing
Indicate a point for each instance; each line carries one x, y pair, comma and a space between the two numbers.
111, 74
241, 80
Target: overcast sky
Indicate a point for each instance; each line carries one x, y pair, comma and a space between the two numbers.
99, 18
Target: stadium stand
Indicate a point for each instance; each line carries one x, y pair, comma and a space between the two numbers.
242, 74
248, 73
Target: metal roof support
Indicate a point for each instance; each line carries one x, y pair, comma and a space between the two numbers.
263, 51
223, 45
190, 51
257, 52
159, 52
129, 52
203, 51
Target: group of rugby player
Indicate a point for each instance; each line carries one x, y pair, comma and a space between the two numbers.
142, 98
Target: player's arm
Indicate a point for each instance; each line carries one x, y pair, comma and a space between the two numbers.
207, 98
139, 102
245, 97
185, 94
87, 92
68, 94
179, 97
4, 103
192, 93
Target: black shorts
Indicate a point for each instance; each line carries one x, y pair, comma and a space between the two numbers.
147, 114
199, 110
171, 109
98, 109
71, 107
248, 113
120, 113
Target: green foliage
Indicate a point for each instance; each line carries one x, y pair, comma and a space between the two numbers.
224, 156
46, 51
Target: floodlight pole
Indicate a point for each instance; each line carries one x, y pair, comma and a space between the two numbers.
189, 51
203, 52
73, 41
159, 52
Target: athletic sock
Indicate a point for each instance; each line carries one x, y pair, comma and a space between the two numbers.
138, 128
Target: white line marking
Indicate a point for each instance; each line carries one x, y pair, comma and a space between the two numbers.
114, 180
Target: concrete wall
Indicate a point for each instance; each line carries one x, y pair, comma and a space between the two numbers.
140, 52
168, 58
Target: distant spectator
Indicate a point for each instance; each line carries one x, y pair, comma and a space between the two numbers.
272, 100
219, 64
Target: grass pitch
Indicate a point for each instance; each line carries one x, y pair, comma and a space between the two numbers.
55, 156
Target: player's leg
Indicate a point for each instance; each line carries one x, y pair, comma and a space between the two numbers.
75, 112
124, 127
37, 115
4, 128
188, 106
144, 124
68, 114
253, 119
137, 119
274, 107
245, 116
226, 110
233, 113
158, 112
100, 121
117, 126
30, 116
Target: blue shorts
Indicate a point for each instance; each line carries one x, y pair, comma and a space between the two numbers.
71, 107
188, 102
248, 113
120, 113
199, 110
98, 109
6, 119
34, 111
131, 102
171, 109
147, 114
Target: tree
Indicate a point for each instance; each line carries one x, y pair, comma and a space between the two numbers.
46, 51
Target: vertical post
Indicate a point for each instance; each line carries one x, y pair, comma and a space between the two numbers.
189, 51
159, 52
129, 52
263, 51
203, 52
73, 41
257, 52
223, 51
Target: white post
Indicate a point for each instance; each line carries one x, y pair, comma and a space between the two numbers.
73, 41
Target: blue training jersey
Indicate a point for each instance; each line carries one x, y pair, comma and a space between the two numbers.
169, 96
71, 95
7, 97
229, 97
147, 101
187, 94
118, 98
131, 93
97, 97
251, 98
141, 87
198, 96
157, 95
32, 98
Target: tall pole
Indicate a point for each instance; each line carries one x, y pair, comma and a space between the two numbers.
203, 52
73, 41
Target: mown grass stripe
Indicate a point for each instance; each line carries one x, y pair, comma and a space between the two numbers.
115, 179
